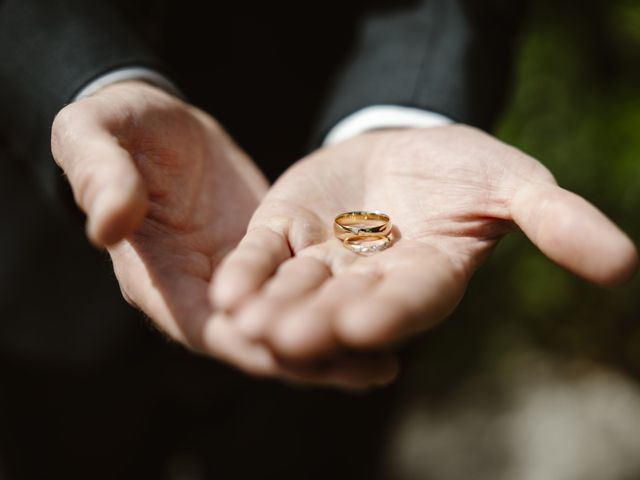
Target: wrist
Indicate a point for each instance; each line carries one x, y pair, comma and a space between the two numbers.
129, 74
383, 117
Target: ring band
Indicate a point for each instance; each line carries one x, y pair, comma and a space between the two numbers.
362, 224
366, 244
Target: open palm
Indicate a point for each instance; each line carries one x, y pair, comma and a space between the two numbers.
451, 193
168, 193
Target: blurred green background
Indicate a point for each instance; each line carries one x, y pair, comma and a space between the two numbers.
575, 107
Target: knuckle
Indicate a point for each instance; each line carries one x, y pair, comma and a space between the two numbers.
66, 120
64, 131
65, 116
83, 183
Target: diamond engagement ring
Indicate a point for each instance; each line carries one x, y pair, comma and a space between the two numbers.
366, 245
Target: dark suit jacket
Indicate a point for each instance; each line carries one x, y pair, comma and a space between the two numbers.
275, 74
80, 386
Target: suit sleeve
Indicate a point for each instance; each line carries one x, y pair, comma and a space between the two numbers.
48, 51
450, 57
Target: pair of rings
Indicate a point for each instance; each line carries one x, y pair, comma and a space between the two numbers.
363, 232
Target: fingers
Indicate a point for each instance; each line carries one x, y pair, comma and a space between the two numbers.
350, 371
306, 330
186, 316
413, 288
294, 279
106, 183
408, 299
255, 259
574, 234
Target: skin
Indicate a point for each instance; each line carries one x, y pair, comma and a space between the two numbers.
452, 193
169, 194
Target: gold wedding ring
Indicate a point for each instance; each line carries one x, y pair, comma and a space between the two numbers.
363, 232
363, 224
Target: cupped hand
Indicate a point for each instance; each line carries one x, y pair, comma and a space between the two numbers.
167, 191
451, 192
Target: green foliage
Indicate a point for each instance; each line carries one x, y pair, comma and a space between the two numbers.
576, 107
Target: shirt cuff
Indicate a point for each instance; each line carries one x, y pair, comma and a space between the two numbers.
129, 73
383, 116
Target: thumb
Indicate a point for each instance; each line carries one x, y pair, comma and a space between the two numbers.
105, 181
574, 233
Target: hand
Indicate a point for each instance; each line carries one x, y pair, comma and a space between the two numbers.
169, 194
452, 193
160, 174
